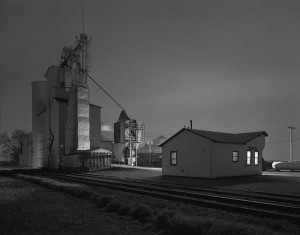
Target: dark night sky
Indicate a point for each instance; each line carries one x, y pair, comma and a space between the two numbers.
229, 65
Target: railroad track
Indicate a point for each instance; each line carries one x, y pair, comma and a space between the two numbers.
254, 195
264, 205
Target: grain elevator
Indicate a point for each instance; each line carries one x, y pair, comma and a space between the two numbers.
66, 128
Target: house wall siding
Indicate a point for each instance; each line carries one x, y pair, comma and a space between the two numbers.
224, 166
201, 157
193, 156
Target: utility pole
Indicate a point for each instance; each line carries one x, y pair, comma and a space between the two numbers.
291, 142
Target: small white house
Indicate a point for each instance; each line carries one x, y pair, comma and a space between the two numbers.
207, 154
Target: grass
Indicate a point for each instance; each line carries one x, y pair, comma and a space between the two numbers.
125, 210
142, 213
165, 221
29, 209
77, 190
101, 201
113, 206
172, 223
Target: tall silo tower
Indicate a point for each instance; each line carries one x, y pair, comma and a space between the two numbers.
75, 63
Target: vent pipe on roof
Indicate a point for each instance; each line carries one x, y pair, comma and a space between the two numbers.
191, 122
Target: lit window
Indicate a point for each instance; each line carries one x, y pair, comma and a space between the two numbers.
173, 158
248, 158
235, 156
256, 158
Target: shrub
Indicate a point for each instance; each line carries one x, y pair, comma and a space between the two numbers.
103, 201
74, 189
181, 224
142, 213
80, 192
163, 220
113, 206
94, 196
222, 227
125, 210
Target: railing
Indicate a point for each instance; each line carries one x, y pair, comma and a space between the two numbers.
100, 160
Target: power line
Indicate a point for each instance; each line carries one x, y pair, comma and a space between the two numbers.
103, 89
156, 134
283, 141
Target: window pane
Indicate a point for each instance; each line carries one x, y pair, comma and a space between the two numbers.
173, 158
248, 157
256, 158
235, 156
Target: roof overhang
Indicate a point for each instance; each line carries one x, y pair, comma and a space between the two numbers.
256, 134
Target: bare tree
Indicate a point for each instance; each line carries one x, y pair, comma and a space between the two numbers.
12, 146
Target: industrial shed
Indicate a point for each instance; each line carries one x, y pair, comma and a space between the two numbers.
150, 154
207, 154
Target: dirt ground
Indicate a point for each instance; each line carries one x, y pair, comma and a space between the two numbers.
274, 182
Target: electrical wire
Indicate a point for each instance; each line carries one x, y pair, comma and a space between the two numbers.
103, 89
283, 141
157, 134
152, 134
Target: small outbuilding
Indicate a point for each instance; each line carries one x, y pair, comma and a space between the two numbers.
208, 154
150, 154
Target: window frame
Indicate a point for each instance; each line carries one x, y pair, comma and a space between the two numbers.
171, 163
238, 156
256, 151
250, 163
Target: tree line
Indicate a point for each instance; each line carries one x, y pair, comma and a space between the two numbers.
11, 146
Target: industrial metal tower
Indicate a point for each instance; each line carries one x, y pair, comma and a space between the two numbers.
75, 62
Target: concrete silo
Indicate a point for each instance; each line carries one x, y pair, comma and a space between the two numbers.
40, 119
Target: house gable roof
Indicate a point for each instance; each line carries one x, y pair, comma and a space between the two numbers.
220, 137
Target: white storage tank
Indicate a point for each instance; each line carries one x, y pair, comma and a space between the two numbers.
287, 166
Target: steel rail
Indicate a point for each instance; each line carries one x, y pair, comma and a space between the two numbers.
229, 192
218, 202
